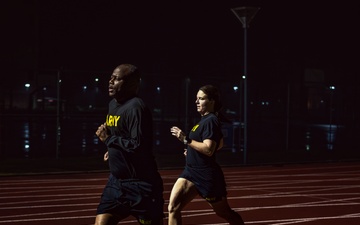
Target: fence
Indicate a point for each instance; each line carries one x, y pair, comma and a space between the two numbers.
58, 114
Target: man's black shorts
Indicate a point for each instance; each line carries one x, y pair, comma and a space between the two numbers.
132, 197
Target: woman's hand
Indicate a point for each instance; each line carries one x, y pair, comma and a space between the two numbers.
178, 133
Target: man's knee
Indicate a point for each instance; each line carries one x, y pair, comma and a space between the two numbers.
106, 219
225, 213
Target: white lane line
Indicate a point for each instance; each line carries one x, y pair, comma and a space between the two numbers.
303, 193
264, 185
97, 197
48, 188
37, 183
50, 180
48, 219
282, 221
337, 169
302, 220
52, 213
50, 196
243, 209
48, 206
293, 221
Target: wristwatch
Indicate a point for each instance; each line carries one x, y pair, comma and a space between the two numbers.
187, 140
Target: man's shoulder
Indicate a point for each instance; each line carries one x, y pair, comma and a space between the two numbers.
136, 101
137, 104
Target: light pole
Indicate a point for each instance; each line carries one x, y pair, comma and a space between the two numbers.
58, 111
331, 132
245, 15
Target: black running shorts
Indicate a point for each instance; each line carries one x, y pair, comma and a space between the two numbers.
209, 181
140, 199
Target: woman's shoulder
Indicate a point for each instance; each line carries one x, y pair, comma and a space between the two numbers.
211, 118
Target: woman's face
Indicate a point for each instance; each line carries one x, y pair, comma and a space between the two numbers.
203, 105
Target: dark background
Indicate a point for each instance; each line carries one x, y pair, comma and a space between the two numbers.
296, 51
198, 38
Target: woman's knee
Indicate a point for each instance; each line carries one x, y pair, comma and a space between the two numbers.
223, 210
172, 208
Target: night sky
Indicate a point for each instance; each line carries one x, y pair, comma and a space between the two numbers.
197, 38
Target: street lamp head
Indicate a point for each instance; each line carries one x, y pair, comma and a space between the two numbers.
245, 14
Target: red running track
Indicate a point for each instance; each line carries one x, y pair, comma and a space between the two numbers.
321, 194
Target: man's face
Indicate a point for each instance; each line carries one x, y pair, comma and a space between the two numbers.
115, 83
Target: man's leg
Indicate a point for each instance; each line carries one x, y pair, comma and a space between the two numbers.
106, 219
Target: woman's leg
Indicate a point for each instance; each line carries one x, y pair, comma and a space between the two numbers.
182, 193
223, 210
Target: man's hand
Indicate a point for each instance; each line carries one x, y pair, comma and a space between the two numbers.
106, 156
102, 132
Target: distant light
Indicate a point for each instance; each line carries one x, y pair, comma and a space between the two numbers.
243, 77
96, 79
332, 87
44, 88
158, 89
27, 85
236, 88
84, 88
